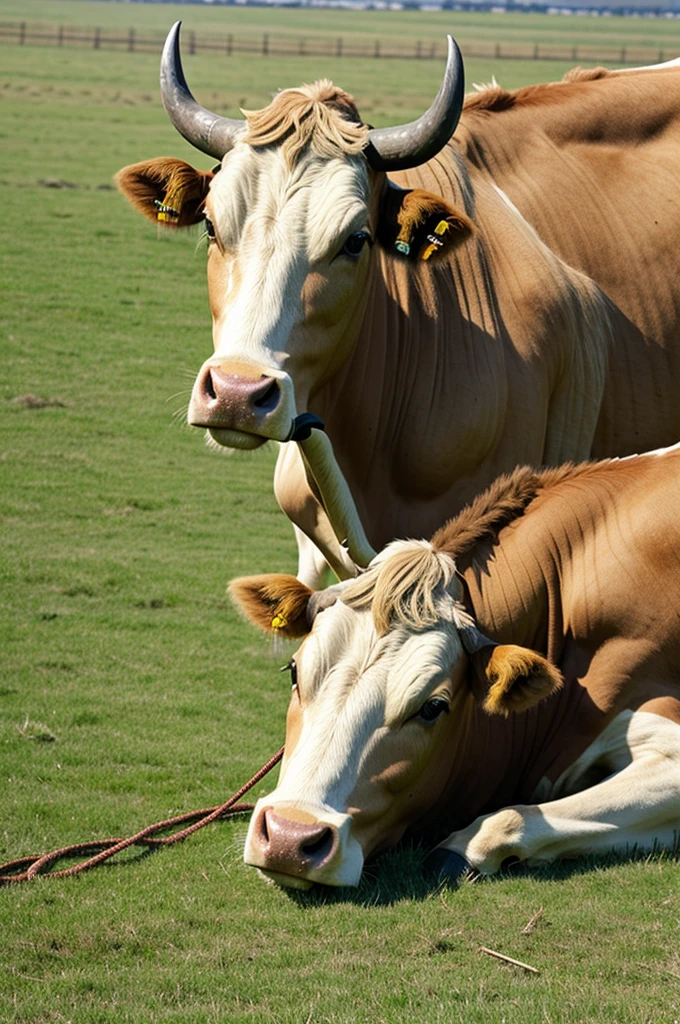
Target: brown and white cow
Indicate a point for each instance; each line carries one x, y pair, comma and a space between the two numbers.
511, 686
541, 327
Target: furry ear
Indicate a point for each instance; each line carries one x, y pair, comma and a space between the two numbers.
420, 225
513, 678
274, 602
166, 190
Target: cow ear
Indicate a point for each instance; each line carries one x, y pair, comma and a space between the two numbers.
513, 679
274, 602
419, 225
166, 190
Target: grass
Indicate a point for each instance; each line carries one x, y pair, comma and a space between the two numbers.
130, 689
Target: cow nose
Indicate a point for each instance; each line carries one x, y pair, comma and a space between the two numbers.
234, 393
293, 847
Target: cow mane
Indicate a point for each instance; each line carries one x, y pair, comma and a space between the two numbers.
494, 98
505, 500
320, 117
407, 581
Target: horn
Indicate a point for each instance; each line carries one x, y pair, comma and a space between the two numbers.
409, 145
211, 133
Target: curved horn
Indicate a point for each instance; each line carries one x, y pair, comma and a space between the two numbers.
211, 133
409, 145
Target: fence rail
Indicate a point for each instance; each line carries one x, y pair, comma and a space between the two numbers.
268, 45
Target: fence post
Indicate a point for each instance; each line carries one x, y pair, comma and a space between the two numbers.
497, 51
338, 48
623, 54
265, 45
574, 53
60, 36
131, 40
535, 51
432, 50
418, 48
230, 43
95, 41
660, 60
302, 47
22, 33
192, 42
376, 52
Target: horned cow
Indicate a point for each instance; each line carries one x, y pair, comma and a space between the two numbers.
448, 305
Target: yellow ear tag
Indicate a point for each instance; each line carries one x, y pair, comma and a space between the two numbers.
435, 239
169, 209
279, 622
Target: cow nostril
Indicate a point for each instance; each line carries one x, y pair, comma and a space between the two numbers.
209, 386
320, 847
262, 830
269, 399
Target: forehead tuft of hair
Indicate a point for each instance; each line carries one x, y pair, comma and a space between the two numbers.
319, 117
403, 585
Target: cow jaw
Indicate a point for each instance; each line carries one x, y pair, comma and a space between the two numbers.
284, 297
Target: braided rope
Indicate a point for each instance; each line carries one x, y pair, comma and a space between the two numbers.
27, 868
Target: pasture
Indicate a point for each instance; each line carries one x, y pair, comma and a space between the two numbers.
131, 690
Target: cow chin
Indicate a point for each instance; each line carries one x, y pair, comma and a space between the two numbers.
227, 438
285, 881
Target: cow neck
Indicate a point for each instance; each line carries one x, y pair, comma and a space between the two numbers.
383, 406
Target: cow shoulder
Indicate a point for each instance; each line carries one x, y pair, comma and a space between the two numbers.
508, 678
420, 225
166, 190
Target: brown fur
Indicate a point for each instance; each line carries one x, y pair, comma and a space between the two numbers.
516, 678
274, 602
504, 501
166, 180
321, 117
495, 98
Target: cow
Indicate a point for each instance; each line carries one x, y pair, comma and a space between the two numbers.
495, 283
509, 689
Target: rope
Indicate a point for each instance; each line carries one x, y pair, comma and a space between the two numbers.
27, 868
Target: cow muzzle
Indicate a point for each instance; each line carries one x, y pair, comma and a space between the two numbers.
296, 848
242, 405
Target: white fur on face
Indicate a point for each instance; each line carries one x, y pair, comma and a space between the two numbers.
275, 225
355, 686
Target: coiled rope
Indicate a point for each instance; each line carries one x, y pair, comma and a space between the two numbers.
98, 851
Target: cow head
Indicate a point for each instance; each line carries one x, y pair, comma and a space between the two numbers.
294, 215
384, 688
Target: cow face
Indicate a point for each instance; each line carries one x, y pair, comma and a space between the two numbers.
292, 217
288, 271
382, 699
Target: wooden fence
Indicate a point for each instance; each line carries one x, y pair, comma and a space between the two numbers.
267, 45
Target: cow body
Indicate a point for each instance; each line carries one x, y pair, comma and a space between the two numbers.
545, 329
511, 687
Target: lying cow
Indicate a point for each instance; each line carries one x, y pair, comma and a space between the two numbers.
425, 294
558, 736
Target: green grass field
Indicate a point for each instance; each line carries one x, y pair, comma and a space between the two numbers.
130, 689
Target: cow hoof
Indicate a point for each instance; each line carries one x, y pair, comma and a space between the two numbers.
447, 866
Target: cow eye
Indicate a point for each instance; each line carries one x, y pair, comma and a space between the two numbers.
209, 228
355, 243
292, 668
432, 709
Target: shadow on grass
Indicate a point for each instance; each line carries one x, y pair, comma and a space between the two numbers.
399, 874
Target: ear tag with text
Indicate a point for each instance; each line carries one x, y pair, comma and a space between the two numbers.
435, 239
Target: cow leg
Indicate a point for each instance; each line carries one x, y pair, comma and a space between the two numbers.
636, 806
